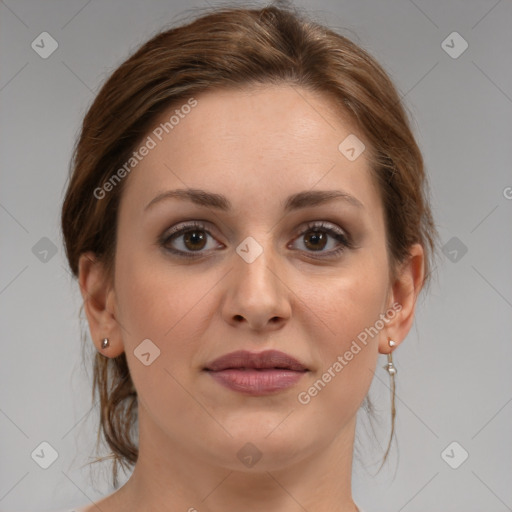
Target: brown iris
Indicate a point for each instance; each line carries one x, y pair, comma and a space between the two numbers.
194, 237
317, 239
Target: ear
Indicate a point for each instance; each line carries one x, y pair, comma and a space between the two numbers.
402, 298
99, 304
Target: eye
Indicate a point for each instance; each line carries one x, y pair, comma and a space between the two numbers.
192, 240
185, 240
320, 235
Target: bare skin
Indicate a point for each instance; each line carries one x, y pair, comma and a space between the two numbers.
256, 147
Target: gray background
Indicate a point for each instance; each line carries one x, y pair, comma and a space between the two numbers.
454, 380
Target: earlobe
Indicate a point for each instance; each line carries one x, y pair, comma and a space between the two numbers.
403, 295
99, 305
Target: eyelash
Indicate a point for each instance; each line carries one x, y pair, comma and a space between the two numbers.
311, 227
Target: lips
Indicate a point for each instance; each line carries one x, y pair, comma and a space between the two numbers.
256, 374
267, 360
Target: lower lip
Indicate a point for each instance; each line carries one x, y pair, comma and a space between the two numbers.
257, 382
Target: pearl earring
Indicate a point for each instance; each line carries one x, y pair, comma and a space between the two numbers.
390, 367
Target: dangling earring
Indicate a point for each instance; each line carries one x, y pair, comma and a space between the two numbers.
105, 343
390, 367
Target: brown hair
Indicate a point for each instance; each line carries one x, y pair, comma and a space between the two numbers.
233, 47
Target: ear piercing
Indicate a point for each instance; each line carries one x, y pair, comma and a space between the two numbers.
390, 367
105, 343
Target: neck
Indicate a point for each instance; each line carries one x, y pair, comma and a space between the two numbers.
168, 477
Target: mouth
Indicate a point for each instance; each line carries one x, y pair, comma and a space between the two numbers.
267, 360
258, 373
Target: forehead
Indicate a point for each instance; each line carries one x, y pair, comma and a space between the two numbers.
258, 142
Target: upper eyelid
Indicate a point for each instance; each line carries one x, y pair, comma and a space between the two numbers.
205, 225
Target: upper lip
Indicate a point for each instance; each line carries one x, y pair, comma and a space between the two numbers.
267, 359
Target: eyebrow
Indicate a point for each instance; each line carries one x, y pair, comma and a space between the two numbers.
221, 202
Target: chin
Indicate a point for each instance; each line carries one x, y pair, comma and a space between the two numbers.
261, 444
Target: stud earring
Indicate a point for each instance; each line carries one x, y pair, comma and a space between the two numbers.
390, 367
105, 343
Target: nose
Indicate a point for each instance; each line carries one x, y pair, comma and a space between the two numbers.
256, 295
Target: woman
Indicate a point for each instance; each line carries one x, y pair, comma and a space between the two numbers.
248, 221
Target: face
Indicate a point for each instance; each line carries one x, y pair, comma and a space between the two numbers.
256, 262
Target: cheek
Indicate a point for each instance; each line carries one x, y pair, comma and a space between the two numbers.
153, 298
170, 304
351, 302
347, 357
349, 312
162, 305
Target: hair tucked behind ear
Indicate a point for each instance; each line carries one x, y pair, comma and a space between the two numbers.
232, 47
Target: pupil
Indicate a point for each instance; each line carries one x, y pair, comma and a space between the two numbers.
195, 237
317, 237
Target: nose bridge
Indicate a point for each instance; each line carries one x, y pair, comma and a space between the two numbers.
255, 266
255, 263
257, 293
